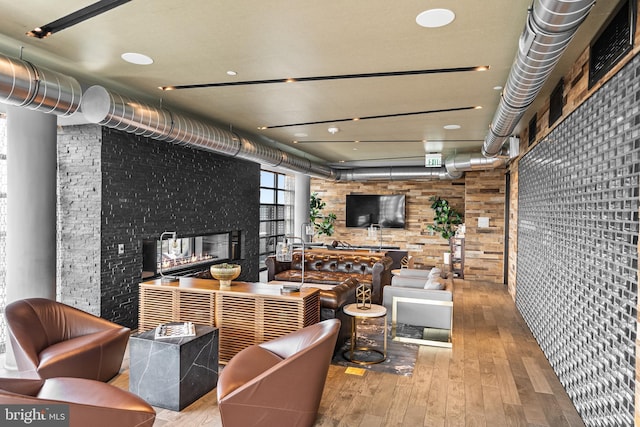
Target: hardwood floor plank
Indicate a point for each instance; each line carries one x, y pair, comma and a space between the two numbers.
494, 413
508, 388
536, 376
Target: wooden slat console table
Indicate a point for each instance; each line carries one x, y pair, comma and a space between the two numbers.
245, 313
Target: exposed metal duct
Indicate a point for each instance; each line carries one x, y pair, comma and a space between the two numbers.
118, 112
551, 24
465, 162
24, 85
395, 174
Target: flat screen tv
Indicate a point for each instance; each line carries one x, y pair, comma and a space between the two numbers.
384, 210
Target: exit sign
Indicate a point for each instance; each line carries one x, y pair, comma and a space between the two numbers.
433, 160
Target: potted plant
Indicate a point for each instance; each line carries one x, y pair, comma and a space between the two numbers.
322, 224
446, 219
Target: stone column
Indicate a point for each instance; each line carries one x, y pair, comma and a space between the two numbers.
31, 207
301, 206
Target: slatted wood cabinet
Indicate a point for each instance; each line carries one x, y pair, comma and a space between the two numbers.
245, 313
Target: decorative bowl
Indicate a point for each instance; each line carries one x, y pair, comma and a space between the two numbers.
225, 273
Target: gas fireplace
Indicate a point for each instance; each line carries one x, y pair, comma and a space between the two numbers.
188, 255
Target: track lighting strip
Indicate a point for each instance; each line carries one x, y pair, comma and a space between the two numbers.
334, 77
381, 116
76, 17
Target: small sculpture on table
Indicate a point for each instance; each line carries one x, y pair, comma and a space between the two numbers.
363, 297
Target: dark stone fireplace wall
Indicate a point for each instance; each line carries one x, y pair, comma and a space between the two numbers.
145, 187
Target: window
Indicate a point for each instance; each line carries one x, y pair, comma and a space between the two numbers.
276, 211
3, 228
556, 102
533, 128
614, 41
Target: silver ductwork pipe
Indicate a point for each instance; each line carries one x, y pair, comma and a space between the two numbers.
394, 174
466, 162
551, 24
109, 109
24, 85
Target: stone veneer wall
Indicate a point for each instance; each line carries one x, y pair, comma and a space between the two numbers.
79, 207
477, 194
577, 283
144, 187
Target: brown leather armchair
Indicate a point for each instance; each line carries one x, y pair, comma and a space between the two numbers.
90, 403
279, 382
57, 340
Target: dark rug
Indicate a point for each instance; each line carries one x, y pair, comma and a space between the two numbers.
401, 357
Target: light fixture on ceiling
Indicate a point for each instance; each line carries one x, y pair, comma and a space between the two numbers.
136, 58
232, 73
434, 18
74, 18
451, 127
497, 88
333, 130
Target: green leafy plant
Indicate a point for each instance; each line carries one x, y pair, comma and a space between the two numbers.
446, 219
322, 224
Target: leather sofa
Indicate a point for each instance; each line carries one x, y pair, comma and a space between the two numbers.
278, 382
333, 268
89, 403
56, 340
331, 303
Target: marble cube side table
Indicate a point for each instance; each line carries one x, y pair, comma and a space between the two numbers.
172, 373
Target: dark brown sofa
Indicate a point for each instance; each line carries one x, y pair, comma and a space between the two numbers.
331, 303
56, 340
89, 403
333, 268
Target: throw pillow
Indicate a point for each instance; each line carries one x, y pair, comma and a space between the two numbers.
434, 283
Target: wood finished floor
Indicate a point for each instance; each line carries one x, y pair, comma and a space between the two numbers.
495, 375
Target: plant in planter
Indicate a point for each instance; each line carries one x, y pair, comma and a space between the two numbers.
446, 219
322, 224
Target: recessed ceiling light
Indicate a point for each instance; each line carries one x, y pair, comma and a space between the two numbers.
452, 127
434, 18
333, 130
231, 73
497, 88
136, 58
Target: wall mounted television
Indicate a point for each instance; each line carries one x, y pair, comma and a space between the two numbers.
386, 210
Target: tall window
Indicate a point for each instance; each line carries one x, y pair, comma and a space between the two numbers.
3, 228
276, 211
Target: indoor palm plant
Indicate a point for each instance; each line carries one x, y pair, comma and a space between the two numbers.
322, 224
445, 220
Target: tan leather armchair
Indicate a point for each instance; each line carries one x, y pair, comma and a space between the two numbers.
89, 402
56, 340
279, 382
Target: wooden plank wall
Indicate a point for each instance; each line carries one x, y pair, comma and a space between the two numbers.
484, 247
476, 194
426, 248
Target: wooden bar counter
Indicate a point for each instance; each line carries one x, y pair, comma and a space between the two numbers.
245, 313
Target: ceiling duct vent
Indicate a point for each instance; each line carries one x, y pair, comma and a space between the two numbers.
551, 25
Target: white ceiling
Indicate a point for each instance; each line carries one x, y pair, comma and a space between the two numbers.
198, 41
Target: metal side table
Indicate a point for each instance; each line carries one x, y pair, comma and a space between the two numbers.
358, 313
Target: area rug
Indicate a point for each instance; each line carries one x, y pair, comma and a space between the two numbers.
401, 357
